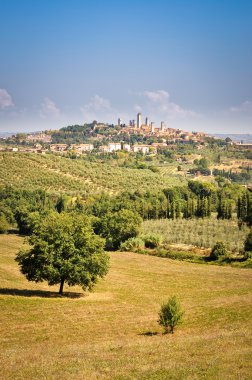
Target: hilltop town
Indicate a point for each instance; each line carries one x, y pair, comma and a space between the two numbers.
139, 136
107, 138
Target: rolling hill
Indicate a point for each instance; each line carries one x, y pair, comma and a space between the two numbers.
57, 174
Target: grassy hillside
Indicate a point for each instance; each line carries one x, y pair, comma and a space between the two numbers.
60, 174
199, 232
106, 334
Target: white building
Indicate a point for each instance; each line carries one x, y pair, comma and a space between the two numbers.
141, 148
113, 147
82, 147
126, 147
58, 147
104, 148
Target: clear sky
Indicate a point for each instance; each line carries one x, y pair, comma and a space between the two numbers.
187, 62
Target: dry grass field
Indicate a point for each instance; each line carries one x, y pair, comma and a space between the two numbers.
106, 334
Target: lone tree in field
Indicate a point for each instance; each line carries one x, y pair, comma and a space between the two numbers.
170, 315
64, 249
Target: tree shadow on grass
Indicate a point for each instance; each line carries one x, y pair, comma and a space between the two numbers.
38, 293
224, 260
149, 333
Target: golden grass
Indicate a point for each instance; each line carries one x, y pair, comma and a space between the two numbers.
104, 334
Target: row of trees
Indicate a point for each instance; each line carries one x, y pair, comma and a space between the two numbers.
198, 199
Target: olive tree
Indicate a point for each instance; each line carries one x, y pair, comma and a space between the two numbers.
64, 249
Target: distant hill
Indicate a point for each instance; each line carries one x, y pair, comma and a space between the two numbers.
245, 137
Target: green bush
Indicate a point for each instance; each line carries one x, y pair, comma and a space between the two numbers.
132, 244
247, 255
4, 225
248, 243
170, 315
218, 250
152, 240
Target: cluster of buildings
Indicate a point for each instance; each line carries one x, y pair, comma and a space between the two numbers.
145, 129
114, 147
149, 129
109, 148
80, 148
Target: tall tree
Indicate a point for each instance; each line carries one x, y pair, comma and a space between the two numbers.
64, 249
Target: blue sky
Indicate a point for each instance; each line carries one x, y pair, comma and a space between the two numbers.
187, 62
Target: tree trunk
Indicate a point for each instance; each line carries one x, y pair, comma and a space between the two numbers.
61, 286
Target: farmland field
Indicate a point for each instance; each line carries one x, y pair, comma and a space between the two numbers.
60, 174
106, 334
199, 232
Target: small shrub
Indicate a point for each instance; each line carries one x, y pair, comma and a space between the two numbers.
170, 315
154, 169
247, 255
152, 240
132, 244
218, 250
4, 225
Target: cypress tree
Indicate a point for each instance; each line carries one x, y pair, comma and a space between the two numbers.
243, 207
229, 210
173, 213
168, 209
239, 208
177, 210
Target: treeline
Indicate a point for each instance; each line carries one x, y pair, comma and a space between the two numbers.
241, 177
20, 207
23, 208
73, 134
198, 200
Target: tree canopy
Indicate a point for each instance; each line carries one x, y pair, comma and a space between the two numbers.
64, 248
118, 227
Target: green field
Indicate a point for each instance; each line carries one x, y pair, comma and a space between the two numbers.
106, 334
60, 174
199, 232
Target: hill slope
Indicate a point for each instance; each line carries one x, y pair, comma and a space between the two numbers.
60, 174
